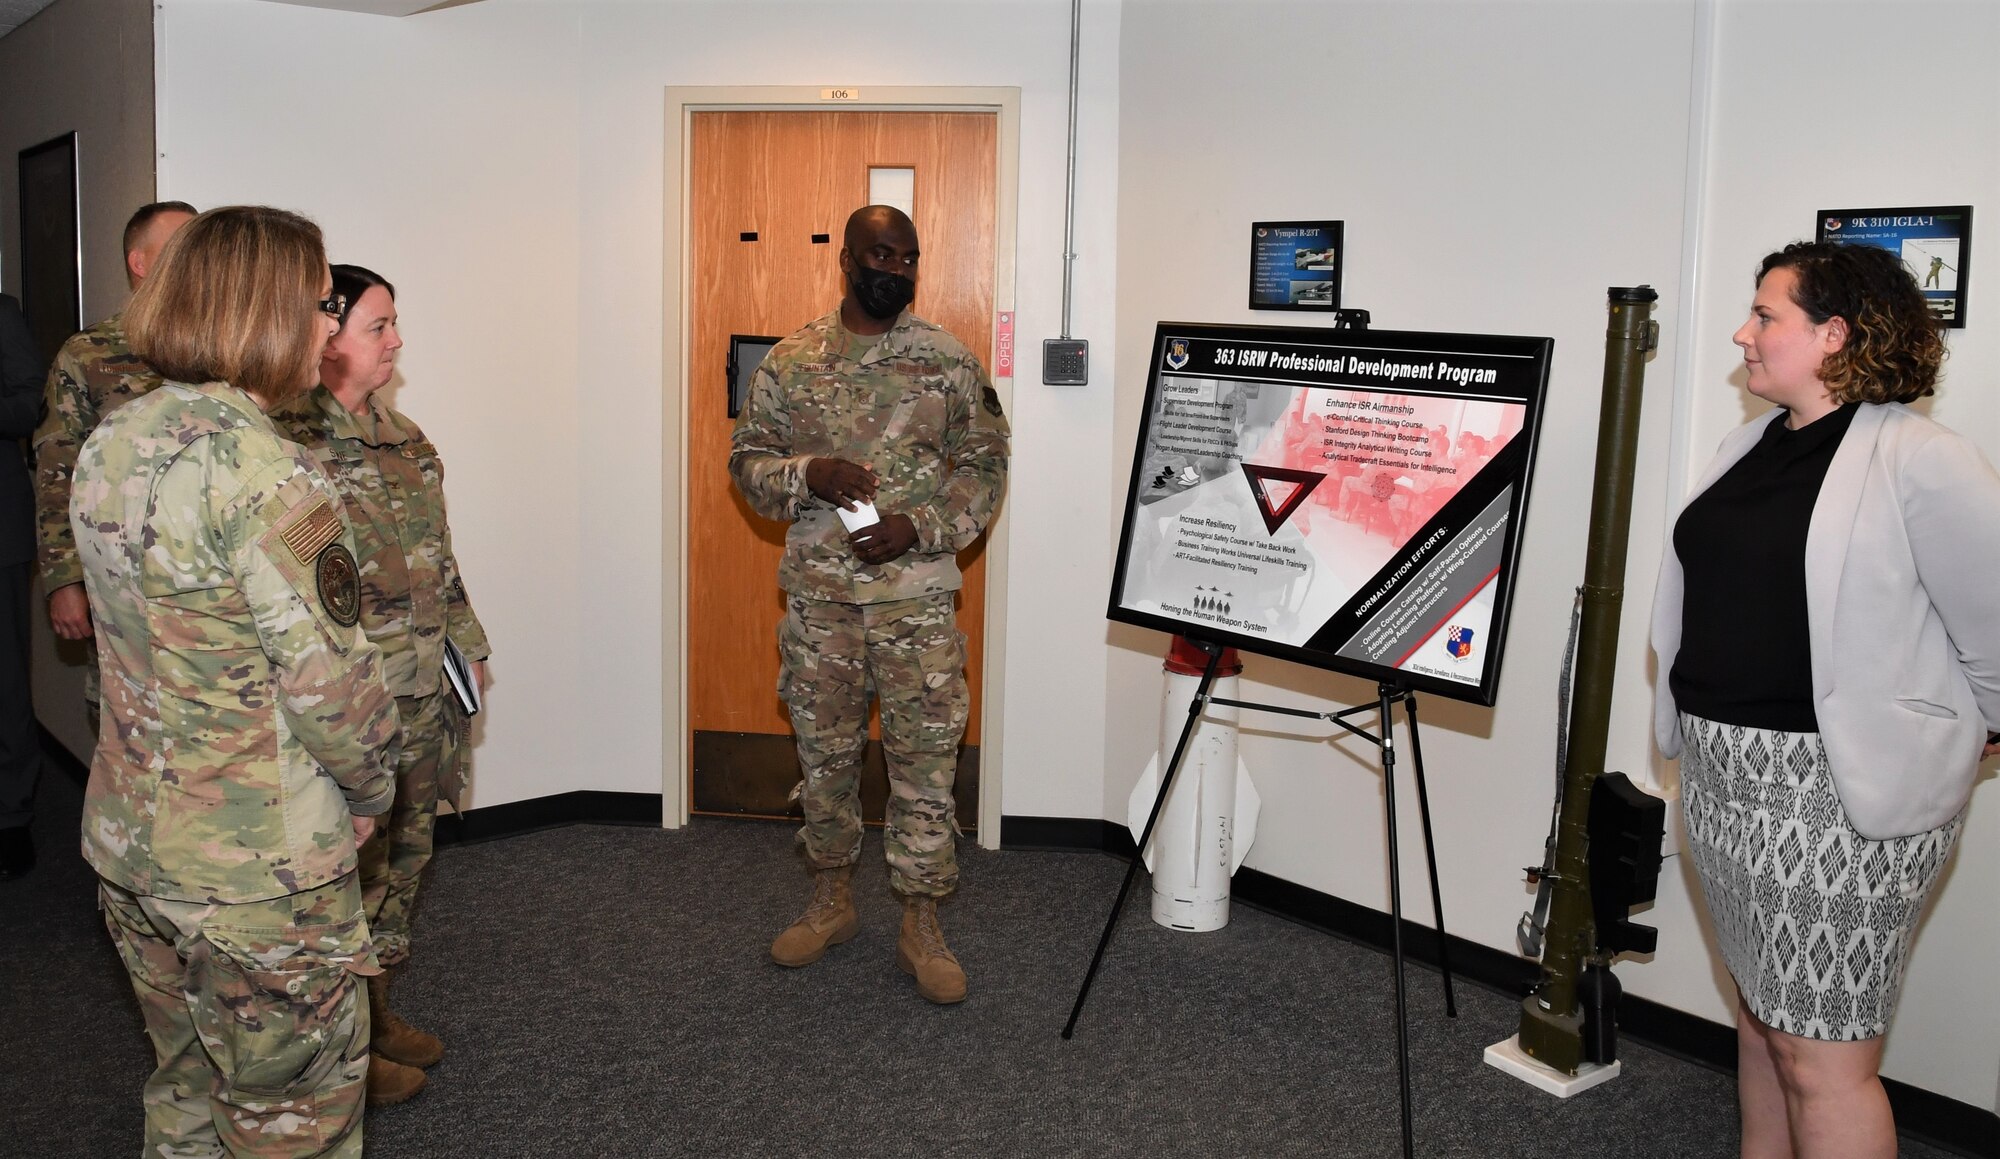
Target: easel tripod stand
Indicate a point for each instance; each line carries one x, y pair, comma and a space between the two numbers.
1388, 695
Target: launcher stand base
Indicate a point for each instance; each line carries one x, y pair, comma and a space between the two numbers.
1508, 1056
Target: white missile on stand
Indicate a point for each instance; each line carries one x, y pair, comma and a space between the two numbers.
1210, 817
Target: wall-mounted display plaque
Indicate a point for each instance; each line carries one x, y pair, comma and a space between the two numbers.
1934, 241
1295, 265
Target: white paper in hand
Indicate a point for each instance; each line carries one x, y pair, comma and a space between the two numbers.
862, 516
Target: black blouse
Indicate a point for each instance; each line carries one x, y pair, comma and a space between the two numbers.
1746, 654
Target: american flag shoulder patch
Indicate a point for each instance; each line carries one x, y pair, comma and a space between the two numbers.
307, 532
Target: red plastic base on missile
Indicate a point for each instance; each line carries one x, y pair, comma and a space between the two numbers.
1186, 658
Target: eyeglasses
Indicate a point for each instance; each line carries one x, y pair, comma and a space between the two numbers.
335, 305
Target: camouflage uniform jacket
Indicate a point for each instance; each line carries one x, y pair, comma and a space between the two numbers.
95, 372
392, 486
912, 404
244, 712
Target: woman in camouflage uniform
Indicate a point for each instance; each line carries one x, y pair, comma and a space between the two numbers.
412, 599
248, 740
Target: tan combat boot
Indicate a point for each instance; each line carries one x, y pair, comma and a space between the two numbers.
390, 1082
394, 1039
921, 953
829, 920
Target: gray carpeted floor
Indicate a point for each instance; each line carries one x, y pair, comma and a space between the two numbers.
606, 992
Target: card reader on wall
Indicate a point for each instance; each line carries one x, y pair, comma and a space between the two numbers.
1065, 362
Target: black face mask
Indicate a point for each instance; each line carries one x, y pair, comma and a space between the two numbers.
880, 294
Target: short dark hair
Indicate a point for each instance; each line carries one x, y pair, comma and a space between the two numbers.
354, 281
1893, 350
144, 215
864, 218
234, 299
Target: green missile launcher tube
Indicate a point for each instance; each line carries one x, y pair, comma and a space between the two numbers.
1551, 1017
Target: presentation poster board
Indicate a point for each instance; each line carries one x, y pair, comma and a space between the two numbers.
1348, 499
1295, 265
1934, 241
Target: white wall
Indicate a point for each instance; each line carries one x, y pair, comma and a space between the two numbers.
443, 153
503, 164
1498, 164
84, 66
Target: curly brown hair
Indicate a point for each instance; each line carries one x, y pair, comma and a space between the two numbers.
1893, 350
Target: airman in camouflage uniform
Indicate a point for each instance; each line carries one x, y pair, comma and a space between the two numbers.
94, 374
245, 725
392, 484
871, 402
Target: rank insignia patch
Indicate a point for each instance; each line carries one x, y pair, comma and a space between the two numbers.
339, 584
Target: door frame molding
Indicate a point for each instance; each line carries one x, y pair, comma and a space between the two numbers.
682, 103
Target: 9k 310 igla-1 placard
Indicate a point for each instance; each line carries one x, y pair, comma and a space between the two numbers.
1349, 499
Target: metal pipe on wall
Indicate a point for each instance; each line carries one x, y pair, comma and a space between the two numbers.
1069, 186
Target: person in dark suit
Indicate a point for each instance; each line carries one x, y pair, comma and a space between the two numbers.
21, 373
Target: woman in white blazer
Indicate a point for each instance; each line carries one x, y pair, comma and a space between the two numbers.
1828, 627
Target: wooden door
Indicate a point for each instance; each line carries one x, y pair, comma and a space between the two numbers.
770, 193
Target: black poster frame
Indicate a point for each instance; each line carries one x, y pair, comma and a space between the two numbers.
1514, 466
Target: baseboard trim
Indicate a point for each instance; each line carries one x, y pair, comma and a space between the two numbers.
1926, 1116
583, 806
1942, 1122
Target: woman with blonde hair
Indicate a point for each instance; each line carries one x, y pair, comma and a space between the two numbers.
247, 738
1828, 628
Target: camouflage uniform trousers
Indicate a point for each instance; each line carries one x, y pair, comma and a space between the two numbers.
258, 1027
909, 654
393, 860
93, 683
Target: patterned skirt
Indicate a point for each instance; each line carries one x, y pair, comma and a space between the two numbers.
1815, 920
